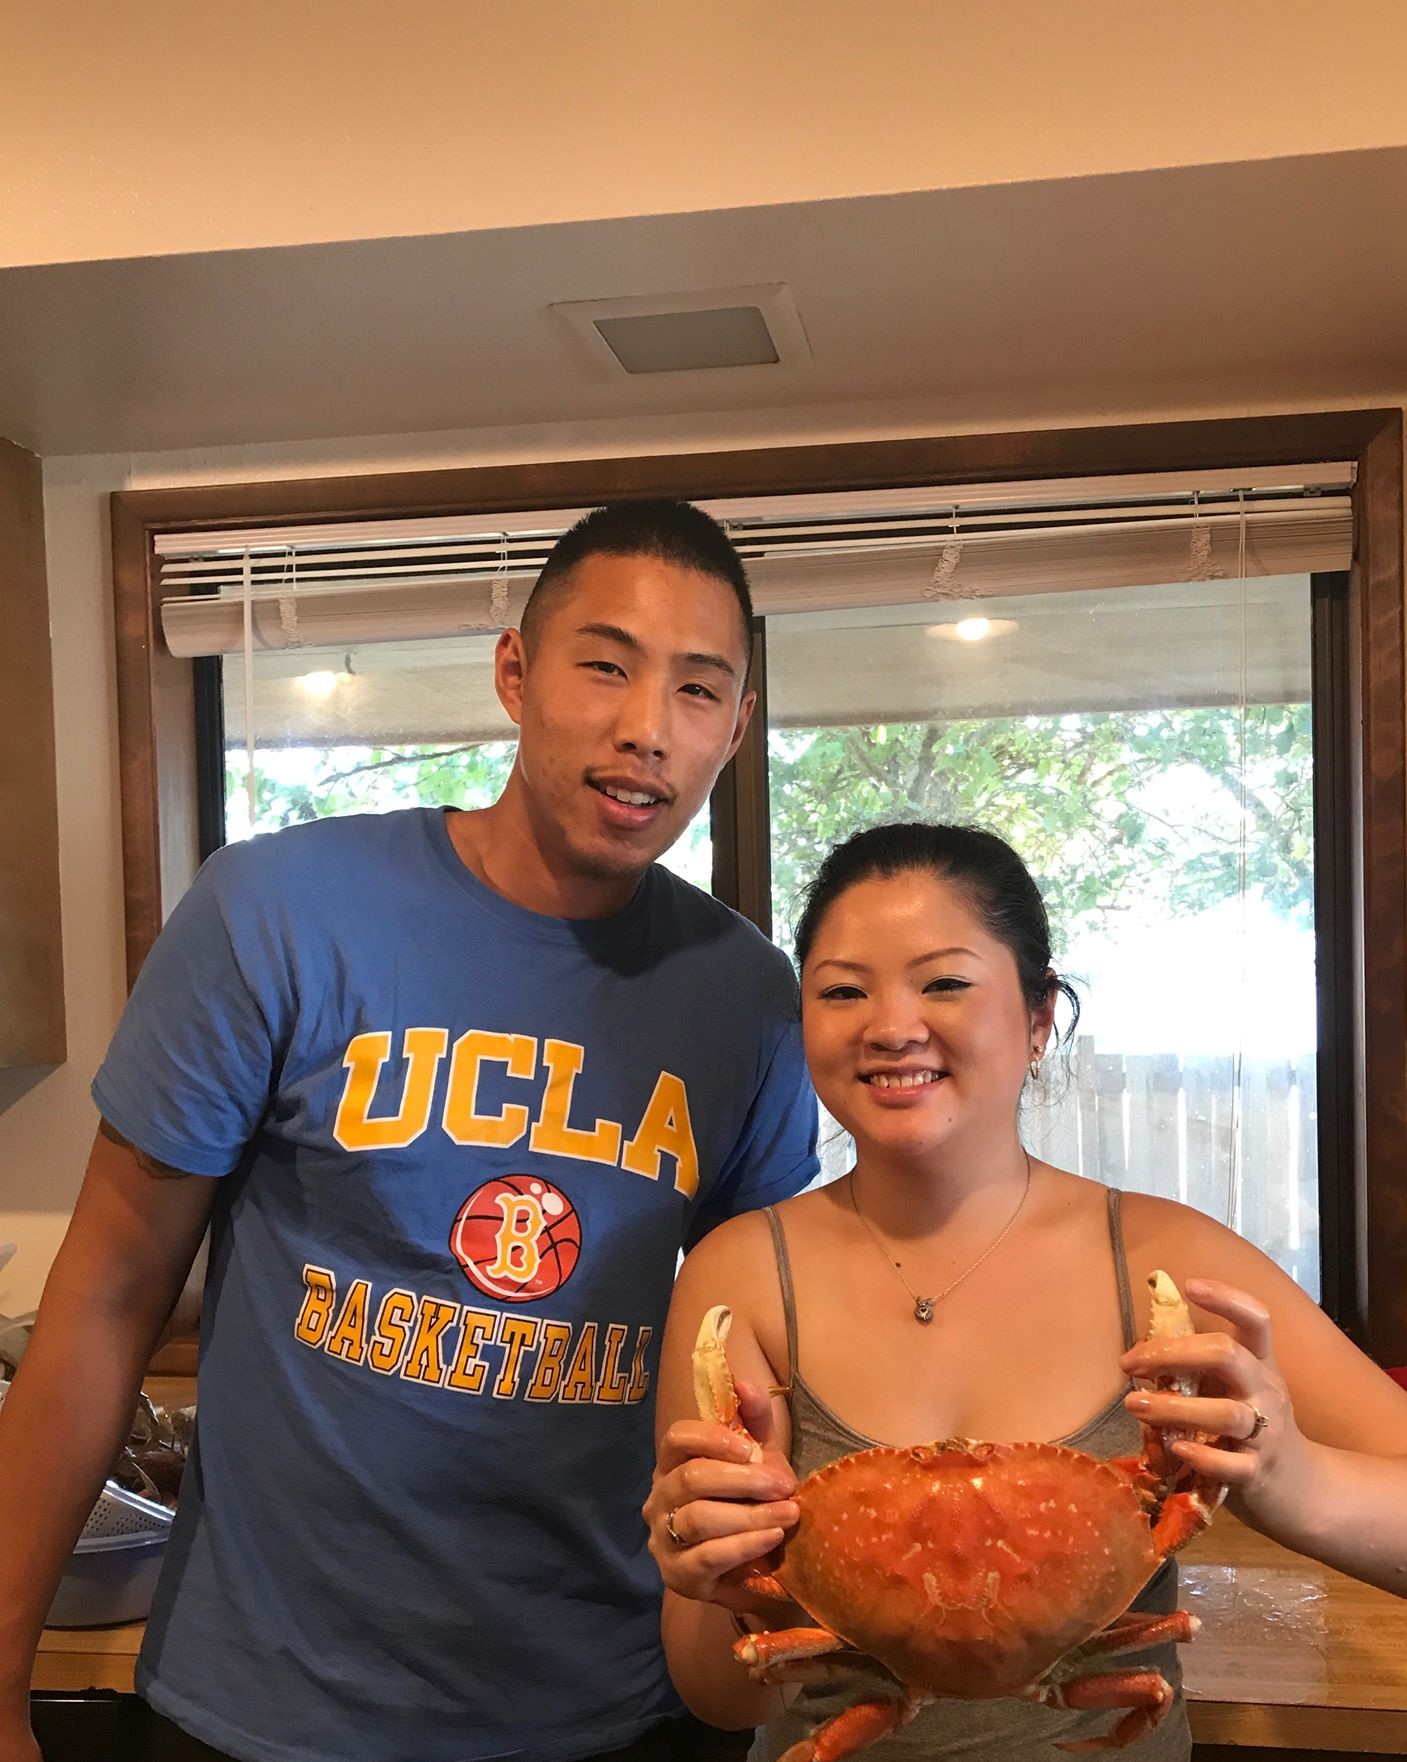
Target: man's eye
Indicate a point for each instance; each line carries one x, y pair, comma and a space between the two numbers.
604, 667
697, 690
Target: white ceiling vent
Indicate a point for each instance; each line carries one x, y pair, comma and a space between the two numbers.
683, 333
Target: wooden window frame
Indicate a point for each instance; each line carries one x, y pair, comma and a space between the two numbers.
157, 705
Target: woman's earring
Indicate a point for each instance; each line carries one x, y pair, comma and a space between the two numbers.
1036, 1068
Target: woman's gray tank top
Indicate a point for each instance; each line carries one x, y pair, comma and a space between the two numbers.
996, 1731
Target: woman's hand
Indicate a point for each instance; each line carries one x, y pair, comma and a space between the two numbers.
711, 1511
1257, 1450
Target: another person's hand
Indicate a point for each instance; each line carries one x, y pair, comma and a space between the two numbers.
1258, 1452
712, 1512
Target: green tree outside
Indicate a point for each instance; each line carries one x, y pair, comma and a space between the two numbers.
1112, 811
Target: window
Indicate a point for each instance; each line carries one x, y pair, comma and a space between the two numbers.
1149, 752
378, 726
802, 580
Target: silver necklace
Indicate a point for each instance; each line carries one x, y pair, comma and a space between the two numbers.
925, 1306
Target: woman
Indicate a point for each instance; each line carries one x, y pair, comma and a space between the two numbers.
953, 1286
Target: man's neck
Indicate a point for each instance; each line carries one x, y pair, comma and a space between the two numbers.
500, 846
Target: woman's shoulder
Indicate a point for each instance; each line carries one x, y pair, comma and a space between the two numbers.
1164, 1234
745, 1250
735, 1254
1157, 1224
735, 1265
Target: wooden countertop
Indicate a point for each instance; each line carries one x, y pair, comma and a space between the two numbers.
76, 1658
1291, 1654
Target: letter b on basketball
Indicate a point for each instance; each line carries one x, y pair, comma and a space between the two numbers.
517, 1238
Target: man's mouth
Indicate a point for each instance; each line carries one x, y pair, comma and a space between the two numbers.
633, 798
626, 807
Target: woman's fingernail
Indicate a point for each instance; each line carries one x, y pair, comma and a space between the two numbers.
1137, 1403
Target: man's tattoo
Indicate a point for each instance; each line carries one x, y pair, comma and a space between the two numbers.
159, 1171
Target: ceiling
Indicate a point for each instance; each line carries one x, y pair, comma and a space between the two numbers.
149, 129
1228, 285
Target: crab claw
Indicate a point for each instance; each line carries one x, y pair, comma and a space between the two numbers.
1170, 1317
1186, 1512
713, 1382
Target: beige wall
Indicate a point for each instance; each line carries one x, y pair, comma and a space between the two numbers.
152, 127
46, 1119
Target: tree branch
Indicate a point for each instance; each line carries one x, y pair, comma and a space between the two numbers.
448, 752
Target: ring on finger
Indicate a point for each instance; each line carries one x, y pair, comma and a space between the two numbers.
674, 1535
1261, 1422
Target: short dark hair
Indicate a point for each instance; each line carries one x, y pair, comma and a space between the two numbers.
983, 867
674, 532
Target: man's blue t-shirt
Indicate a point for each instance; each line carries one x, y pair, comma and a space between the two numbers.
462, 1144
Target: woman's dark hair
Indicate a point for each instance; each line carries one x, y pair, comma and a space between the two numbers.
983, 867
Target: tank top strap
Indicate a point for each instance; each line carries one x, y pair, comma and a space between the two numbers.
779, 1248
1121, 1269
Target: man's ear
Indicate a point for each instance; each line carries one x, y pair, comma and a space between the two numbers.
745, 709
510, 669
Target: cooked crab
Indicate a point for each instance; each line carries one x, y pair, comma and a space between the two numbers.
975, 1570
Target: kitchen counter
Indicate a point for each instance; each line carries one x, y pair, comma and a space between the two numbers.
1291, 1654
72, 1659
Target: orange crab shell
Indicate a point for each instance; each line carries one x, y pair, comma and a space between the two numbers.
967, 1569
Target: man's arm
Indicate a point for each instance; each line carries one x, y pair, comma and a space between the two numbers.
134, 1233
775, 1155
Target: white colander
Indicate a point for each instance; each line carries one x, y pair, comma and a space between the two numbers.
120, 1517
113, 1569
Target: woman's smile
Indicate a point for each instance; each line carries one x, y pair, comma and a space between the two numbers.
906, 1087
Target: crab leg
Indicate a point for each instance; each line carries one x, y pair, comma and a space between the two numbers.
786, 1645
713, 1382
809, 1655
1146, 1694
854, 1729
1187, 1514
1130, 1632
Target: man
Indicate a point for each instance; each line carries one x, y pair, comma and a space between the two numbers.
452, 1090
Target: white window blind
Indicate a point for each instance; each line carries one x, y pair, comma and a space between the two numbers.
349, 583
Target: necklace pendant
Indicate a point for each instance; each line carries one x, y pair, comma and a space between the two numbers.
923, 1310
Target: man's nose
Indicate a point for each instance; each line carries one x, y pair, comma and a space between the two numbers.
643, 725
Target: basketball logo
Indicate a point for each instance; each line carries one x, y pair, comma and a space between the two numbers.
517, 1238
